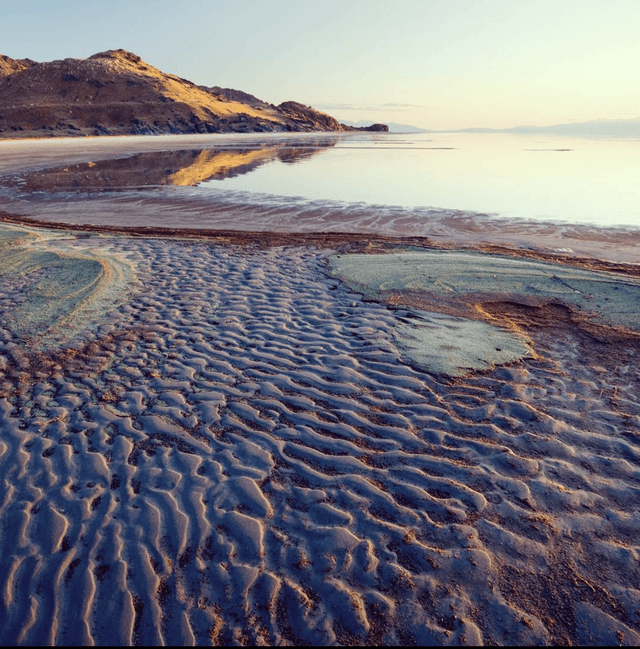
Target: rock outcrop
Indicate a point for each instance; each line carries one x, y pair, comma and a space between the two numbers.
117, 93
383, 128
9, 66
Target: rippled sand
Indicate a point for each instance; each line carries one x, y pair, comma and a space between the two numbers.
235, 450
211, 438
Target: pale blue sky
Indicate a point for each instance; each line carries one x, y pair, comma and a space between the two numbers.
432, 63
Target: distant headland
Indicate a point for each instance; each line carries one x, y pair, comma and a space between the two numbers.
117, 93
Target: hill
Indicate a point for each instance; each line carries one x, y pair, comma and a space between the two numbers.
393, 127
117, 93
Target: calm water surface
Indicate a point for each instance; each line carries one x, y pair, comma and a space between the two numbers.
513, 176
531, 177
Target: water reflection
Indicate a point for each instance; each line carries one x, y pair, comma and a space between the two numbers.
184, 167
513, 176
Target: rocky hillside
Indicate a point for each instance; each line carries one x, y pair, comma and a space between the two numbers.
117, 93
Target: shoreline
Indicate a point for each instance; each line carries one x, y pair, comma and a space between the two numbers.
509, 311
341, 241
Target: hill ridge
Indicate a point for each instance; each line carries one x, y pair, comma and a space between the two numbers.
115, 92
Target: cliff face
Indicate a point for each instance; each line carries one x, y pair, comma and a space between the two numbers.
116, 93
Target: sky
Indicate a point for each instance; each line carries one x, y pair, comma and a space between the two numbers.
436, 64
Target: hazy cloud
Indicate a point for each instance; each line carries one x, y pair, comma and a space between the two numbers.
368, 107
404, 106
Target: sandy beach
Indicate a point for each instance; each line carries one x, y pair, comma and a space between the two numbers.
268, 431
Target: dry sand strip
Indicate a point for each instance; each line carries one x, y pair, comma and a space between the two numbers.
185, 209
234, 450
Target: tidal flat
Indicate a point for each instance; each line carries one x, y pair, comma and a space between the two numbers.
228, 437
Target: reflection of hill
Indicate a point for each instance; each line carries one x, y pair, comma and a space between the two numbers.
220, 164
186, 168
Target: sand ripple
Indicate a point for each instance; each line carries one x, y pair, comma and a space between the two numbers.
245, 458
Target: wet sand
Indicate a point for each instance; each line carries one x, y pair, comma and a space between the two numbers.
231, 445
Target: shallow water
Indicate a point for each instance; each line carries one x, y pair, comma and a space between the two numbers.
514, 176
531, 177
311, 183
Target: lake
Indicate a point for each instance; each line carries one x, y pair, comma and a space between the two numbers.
512, 176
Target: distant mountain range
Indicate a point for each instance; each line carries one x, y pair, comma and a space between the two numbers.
602, 128
117, 93
593, 128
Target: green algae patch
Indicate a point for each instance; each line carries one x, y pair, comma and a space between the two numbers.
610, 298
453, 345
56, 289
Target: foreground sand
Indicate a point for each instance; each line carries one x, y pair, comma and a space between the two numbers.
236, 451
